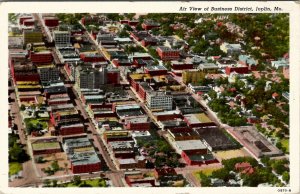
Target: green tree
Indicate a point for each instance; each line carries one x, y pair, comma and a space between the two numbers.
101, 183
17, 154
76, 180
46, 182
123, 34
54, 183
55, 166
205, 180
22, 107
286, 176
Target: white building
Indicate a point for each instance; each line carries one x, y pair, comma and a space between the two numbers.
159, 100
62, 38
231, 49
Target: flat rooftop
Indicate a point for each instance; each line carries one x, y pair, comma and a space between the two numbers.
126, 161
45, 145
190, 145
137, 119
77, 142
197, 118
84, 158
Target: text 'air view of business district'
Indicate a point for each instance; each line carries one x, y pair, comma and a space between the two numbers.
148, 100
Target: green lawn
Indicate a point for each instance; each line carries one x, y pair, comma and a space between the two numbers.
14, 168
285, 144
207, 172
36, 121
93, 183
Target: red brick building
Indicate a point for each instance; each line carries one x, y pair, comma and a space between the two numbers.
45, 146
167, 54
148, 25
71, 129
167, 116
92, 57
85, 168
41, 57
139, 123
133, 22
21, 19
118, 62
149, 41
239, 70
156, 70
160, 172
28, 22
113, 76
51, 21
196, 160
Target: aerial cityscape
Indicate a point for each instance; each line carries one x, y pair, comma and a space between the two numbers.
148, 100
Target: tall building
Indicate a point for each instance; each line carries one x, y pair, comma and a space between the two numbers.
48, 74
62, 38
92, 78
159, 100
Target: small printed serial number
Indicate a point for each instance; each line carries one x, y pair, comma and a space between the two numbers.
284, 190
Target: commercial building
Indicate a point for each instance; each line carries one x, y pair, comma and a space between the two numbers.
131, 163
178, 66
128, 110
137, 179
159, 100
45, 146
255, 142
167, 54
192, 76
149, 24
149, 41
51, 21
71, 129
58, 99
139, 123
110, 136
41, 57
239, 70
139, 35
167, 115
92, 78
156, 70
215, 138
82, 155
208, 67
48, 75
194, 152
92, 57
32, 36
198, 120
62, 38
183, 134
67, 54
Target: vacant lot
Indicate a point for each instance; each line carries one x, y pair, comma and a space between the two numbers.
224, 155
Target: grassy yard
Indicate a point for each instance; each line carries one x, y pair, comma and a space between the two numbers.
36, 121
93, 183
14, 168
285, 144
207, 172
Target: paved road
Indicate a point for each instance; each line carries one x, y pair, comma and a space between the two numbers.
97, 140
17, 118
